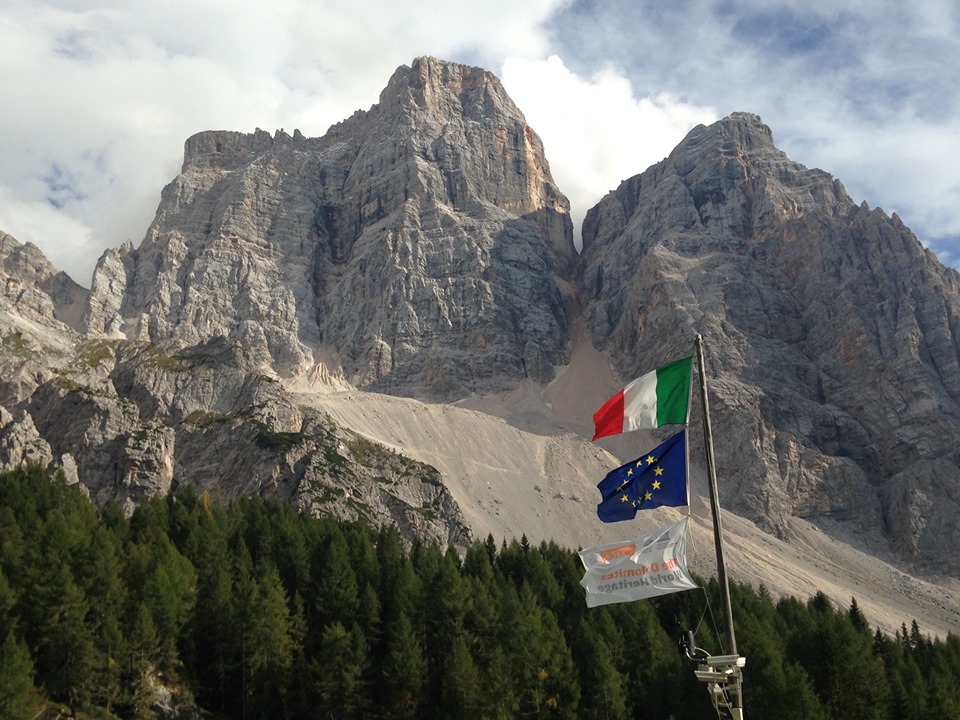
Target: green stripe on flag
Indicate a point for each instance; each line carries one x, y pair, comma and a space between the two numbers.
673, 392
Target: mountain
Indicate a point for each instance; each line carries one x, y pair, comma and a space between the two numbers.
391, 322
833, 336
420, 248
35, 287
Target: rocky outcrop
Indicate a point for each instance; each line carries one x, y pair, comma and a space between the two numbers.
421, 246
133, 420
831, 336
21, 444
35, 287
34, 302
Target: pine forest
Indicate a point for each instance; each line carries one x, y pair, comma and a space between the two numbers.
253, 611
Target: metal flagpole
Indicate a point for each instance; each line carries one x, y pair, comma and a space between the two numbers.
721, 672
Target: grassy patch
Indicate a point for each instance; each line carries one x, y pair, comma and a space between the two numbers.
93, 352
72, 385
280, 441
428, 512
330, 493
203, 418
154, 357
14, 345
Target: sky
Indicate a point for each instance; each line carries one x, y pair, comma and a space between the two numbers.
98, 97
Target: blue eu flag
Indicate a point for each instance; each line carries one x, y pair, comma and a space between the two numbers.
655, 479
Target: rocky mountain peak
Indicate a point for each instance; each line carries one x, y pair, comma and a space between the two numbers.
431, 84
34, 286
732, 182
420, 247
830, 330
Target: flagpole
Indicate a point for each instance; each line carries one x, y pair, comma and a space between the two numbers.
731, 649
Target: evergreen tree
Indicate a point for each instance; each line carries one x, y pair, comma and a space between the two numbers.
8, 600
106, 595
13, 552
165, 581
444, 602
65, 652
143, 652
336, 596
210, 636
848, 678
462, 686
404, 672
268, 643
339, 672
17, 695
545, 679
910, 700
604, 686
857, 617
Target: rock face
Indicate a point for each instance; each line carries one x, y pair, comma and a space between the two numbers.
419, 248
35, 287
134, 421
36, 303
831, 334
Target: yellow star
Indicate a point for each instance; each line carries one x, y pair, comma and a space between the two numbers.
656, 484
658, 471
624, 498
647, 495
651, 459
630, 471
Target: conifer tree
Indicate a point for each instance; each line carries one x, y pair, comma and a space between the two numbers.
210, 644
269, 646
17, 694
143, 652
857, 617
8, 600
604, 687
404, 672
338, 676
462, 686
336, 597
65, 652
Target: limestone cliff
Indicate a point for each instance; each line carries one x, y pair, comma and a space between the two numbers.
420, 247
133, 420
39, 306
831, 335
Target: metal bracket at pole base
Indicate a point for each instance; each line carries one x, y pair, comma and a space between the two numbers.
722, 675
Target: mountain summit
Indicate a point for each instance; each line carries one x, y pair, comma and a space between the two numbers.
420, 248
832, 335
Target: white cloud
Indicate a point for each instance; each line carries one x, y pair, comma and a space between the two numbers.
66, 240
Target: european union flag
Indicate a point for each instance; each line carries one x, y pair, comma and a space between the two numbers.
655, 479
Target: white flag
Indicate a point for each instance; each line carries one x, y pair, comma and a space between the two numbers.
654, 564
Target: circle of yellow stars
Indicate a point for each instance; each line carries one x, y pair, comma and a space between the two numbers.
655, 485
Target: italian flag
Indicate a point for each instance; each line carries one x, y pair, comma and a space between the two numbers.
661, 397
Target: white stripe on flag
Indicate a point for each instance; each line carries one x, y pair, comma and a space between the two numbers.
640, 403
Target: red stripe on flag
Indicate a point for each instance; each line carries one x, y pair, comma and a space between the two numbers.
608, 420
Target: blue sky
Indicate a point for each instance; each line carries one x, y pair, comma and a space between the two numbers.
99, 96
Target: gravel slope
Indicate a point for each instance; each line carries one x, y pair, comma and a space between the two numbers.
523, 464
